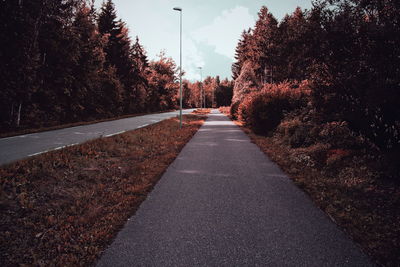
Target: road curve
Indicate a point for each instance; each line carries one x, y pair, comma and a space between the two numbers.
22, 146
222, 202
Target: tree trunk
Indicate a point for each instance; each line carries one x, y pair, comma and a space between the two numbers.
12, 114
19, 113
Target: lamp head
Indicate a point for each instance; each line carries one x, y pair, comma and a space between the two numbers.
177, 8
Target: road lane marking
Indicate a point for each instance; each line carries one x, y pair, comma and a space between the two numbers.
108, 135
38, 153
53, 149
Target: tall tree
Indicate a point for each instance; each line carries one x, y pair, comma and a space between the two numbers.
293, 47
266, 42
20, 23
245, 50
58, 52
163, 86
139, 76
107, 19
118, 51
88, 67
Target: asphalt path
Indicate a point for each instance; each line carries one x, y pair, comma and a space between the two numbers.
222, 202
22, 146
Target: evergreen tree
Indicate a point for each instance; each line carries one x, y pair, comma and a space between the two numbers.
245, 50
224, 93
139, 76
19, 28
107, 20
89, 66
266, 44
118, 53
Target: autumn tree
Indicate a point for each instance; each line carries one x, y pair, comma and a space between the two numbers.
163, 84
195, 94
349, 51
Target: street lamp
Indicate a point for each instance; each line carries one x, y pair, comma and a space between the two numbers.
201, 84
180, 68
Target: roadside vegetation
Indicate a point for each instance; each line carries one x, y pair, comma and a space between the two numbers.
64, 207
65, 62
319, 93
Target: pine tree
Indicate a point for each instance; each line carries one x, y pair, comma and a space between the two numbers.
107, 20
266, 41
19, 28
294, 47
89, 66
140, 74
245, 50
118, 53
58, 54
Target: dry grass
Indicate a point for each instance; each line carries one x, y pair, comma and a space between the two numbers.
345, 188
64, 207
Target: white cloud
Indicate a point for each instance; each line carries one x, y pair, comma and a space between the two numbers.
225, 30
192, 59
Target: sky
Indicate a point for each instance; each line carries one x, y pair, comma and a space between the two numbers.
211, 29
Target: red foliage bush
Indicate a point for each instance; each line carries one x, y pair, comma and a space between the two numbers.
234, 110
264, 110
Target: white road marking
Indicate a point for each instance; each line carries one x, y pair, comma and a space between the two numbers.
108, 135
144, 125
38, 153
54, 149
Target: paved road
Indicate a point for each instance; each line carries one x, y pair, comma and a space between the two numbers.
224, 203
22, 146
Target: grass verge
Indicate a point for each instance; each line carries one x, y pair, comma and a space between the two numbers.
64, 207
344, 183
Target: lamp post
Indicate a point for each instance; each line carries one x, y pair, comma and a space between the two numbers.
180, 68
201, 83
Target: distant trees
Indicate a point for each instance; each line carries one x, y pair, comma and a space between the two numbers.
347, 49
224, 93
63, 61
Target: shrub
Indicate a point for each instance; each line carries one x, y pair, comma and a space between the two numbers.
295, 132
263, 111
339, 135
234, 110
243, 111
